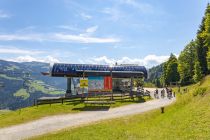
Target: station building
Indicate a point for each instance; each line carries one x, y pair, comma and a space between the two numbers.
82, 78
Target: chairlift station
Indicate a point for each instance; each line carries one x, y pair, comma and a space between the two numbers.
90, 70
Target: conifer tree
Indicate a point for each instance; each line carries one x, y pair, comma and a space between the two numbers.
170, 72
208, 60
207, 35
198, 74
203, 41
186, 62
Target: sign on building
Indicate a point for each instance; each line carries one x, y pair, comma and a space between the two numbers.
99, 84
108, 83
84, 83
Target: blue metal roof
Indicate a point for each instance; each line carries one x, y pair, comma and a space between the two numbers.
60, 69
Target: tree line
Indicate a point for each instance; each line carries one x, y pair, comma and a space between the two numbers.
192, 64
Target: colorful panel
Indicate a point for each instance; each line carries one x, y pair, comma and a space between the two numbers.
108, 83
95, 83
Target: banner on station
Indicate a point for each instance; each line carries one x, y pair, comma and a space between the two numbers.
108, 83
84, 83
99, 84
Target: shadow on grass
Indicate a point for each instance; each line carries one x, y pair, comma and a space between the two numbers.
104, 107
74, 103
140, 100
93, 108
135, 100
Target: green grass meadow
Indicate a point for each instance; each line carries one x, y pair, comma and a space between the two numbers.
188, 118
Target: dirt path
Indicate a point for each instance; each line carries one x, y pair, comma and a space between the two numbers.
58, 122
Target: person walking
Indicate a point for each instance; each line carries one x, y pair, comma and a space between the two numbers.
156, 94
162, 93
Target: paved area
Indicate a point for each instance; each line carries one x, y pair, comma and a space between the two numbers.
58, 122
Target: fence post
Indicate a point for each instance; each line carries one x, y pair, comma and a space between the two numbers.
162, 109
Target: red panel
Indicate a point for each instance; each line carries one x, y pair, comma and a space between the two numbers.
108, 83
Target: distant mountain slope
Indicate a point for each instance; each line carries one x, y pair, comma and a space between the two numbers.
21, 83
155, 72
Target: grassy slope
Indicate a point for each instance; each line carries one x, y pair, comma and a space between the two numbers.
22, 93
12, 68
8, 78
42, 88
188, 118
33, 113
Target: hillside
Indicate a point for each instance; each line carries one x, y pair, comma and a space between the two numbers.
188, 118
21, 83
154, 75
155, 72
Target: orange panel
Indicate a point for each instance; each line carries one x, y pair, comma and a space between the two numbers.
108, 83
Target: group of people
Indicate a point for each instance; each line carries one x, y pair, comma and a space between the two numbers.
166, 90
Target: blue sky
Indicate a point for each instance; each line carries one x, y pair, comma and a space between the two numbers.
142, 32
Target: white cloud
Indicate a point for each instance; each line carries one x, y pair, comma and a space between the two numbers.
84, 48
152, 60
83, 36
143, 7
101, 60
4, 15
85, 16
51, 59
83, 39
91, 29
114, 13
12, 50
26, 29
59, 37
68, 27
148, 61
28, 58
21, 37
